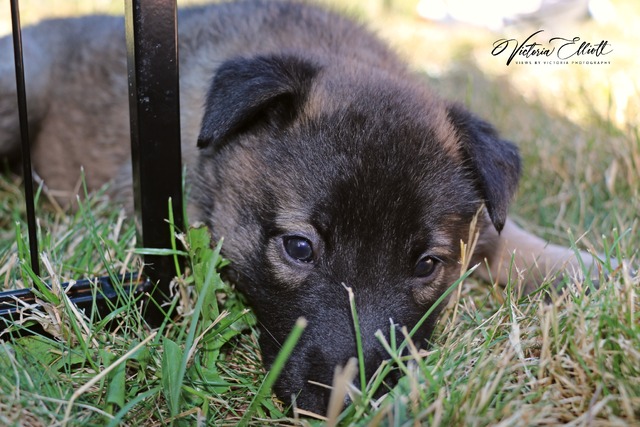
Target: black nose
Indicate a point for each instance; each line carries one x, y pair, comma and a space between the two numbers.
315, 394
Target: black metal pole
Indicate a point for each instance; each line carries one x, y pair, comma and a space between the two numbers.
152, 56
24, 136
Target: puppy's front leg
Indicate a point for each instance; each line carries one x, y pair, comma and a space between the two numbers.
522, 257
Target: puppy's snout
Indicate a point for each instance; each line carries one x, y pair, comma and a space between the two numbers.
312, 367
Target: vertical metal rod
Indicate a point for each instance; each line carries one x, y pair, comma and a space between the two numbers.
152, 57
24, 135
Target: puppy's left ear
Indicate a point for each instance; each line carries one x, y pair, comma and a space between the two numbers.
249, 95
493, 161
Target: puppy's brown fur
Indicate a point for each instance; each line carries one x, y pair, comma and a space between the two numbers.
323, 161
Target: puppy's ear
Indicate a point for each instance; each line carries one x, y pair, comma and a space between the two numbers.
247, 94
494, 162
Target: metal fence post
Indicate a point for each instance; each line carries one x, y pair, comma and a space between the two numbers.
24, 136
152, 56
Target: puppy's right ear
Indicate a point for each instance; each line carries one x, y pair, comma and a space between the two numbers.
492, 161
249, 94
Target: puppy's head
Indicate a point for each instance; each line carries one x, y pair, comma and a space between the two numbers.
320, 176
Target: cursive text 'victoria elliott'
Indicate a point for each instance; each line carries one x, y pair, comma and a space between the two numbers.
563, 48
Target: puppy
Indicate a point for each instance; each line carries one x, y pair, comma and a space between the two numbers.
321, 159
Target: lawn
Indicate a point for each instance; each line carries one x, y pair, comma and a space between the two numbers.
495, 360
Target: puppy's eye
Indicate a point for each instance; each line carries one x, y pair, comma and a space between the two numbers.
298, 248
426, 266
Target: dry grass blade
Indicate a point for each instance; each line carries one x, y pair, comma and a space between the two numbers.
342, 380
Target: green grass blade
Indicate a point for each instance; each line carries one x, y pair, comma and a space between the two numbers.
172, 374
265, 388
356, 327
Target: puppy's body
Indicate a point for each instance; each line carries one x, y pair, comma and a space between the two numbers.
323, 162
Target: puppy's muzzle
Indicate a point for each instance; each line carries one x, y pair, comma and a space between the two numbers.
309, 374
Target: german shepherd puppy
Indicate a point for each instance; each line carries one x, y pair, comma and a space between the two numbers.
321, 159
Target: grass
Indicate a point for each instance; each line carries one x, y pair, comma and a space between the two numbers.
496, 359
